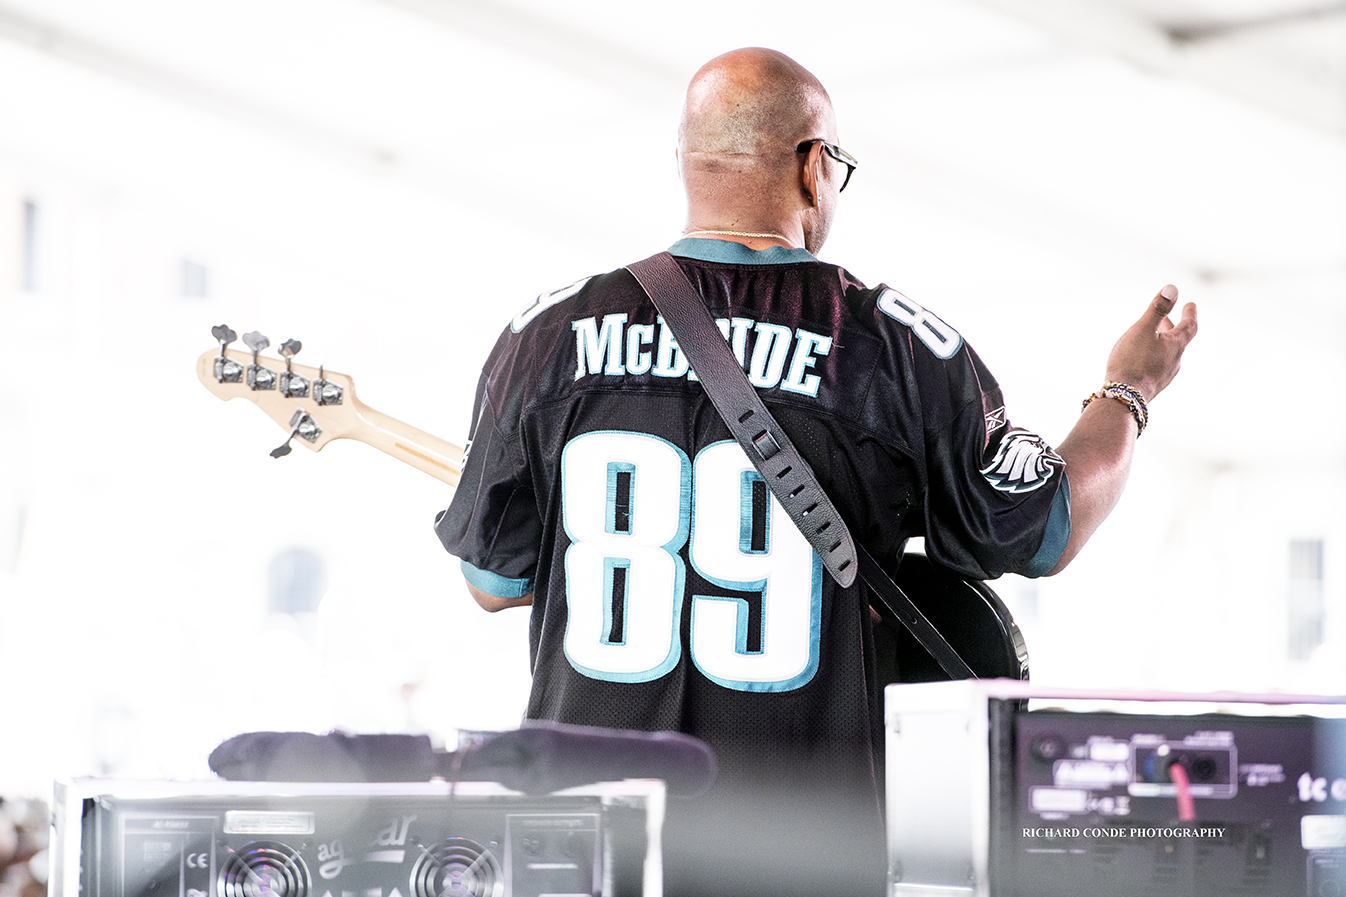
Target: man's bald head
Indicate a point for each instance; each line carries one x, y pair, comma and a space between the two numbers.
747, 112
755, 102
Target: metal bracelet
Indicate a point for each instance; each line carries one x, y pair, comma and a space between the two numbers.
1129, 396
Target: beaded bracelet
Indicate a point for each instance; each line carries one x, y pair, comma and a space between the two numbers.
1129, 396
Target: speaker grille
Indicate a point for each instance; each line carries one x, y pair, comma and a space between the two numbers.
457, 867
264, 869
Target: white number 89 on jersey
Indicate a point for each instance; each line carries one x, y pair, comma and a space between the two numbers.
630, 503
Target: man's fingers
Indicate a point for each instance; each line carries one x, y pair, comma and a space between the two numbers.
1162, 305
1186, 325
1148, 353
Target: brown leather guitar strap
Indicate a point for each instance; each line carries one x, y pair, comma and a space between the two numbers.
785, 471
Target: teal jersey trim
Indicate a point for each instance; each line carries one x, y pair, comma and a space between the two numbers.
733, 253
1057, 535
493, 584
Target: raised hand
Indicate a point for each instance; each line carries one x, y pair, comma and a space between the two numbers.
1149, 353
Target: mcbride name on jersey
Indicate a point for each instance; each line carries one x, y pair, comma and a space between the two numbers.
670, 591
618, 349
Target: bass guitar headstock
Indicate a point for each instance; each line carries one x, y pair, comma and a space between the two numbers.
314, 406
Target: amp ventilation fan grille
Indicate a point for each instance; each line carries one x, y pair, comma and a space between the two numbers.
457, 867
264, 869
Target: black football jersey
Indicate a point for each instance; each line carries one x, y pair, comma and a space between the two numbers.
670, 591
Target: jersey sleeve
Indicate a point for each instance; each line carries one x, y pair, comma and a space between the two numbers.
492, 524
998, 500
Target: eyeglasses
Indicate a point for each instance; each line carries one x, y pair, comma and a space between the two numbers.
835, 152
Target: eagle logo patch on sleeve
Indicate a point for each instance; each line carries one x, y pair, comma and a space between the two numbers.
1022, 463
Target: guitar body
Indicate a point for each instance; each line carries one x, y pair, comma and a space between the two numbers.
972, 617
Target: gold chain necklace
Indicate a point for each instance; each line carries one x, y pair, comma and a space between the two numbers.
737, 233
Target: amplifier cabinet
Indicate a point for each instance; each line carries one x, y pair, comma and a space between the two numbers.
1003, 789
116, 838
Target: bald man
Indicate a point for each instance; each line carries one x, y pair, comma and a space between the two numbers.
668, 591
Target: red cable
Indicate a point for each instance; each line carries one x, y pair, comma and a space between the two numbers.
1186, 806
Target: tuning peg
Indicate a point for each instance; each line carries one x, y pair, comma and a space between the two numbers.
291, 384
226, 369
259, 376
325, 392
301, 425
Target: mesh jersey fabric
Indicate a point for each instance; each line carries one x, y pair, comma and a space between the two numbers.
667, 594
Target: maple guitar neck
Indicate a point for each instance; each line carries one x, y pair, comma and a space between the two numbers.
317, 406
423, 451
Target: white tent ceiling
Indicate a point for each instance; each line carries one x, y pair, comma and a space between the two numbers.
510, 103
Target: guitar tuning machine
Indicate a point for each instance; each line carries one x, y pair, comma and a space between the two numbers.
301, 425
292, 385
259, 376
226, 369
325, 392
